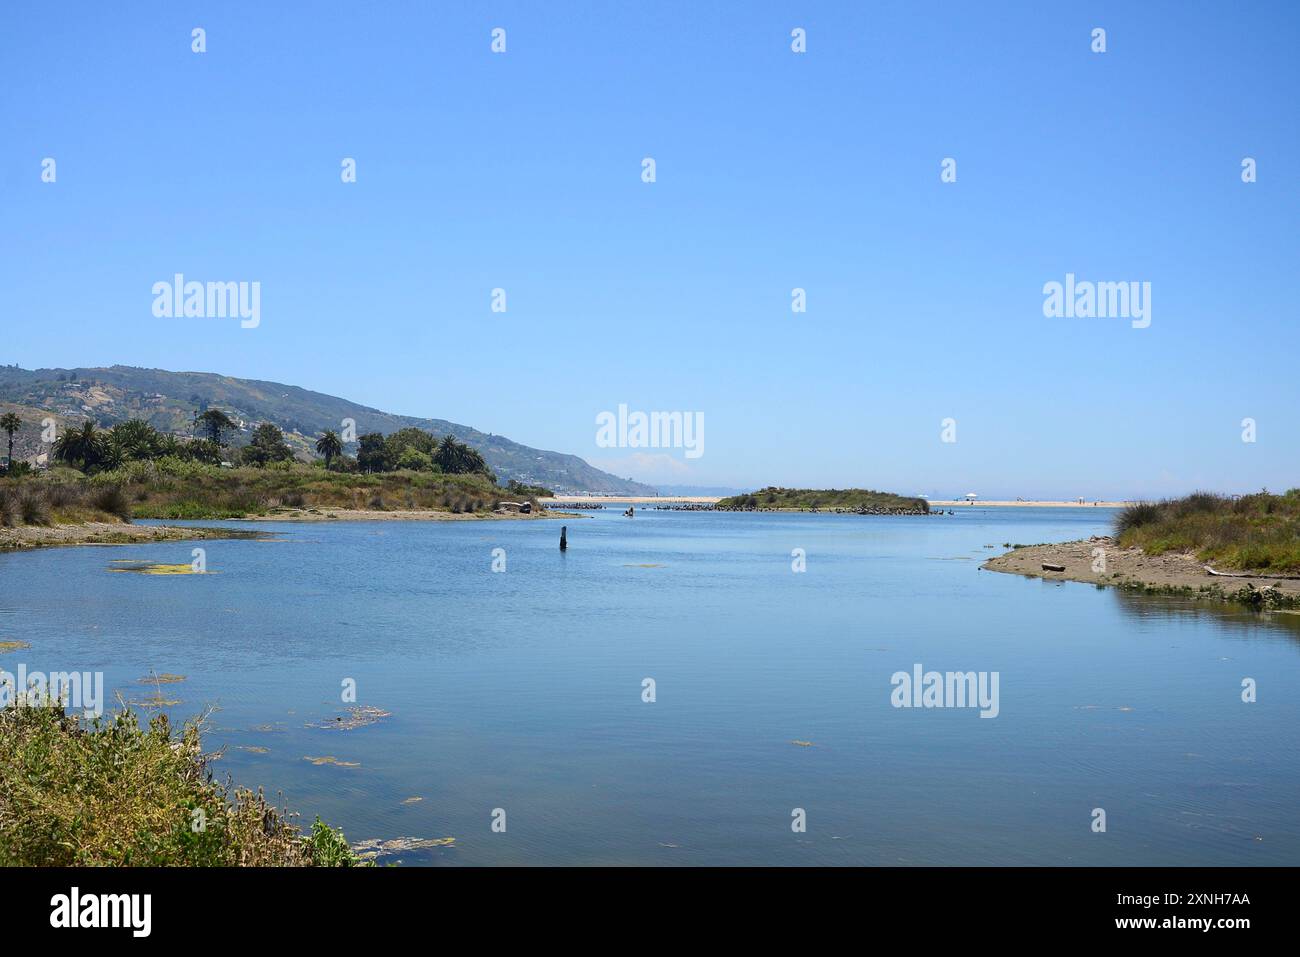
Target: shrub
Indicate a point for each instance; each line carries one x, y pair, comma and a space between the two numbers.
1135, 516
33, 506
9, 512
117, 793
113, 500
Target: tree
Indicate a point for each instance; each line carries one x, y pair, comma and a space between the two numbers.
267, 445
133, 440
169, 445
329, 446
409, 438
457, 458
522, 490
448, 455
372, 453
415, 460
203, 450
213, 423
10, 423
83, 447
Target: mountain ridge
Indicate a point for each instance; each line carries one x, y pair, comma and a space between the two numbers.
168, 401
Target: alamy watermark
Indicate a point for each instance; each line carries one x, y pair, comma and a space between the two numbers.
75, 909
83, 690
1084, 299
179, 299
946, 689
654, 430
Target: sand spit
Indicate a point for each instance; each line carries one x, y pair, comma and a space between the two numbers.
106, 533
1131, 568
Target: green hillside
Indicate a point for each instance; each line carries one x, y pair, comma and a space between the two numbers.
169, 400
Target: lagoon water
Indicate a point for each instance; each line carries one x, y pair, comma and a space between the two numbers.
522, 690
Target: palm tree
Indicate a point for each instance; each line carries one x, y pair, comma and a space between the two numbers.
450, 455
9, 422
82, 447
214, 422
135, 439
457, 458
329, 446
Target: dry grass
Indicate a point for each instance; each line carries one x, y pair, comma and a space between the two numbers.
1254, 532
57, 501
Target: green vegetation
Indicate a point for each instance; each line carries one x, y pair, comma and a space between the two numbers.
64, 498
114, 793
853, 499
181, 490
266, 447
172, 488
520, 490
91, 450
1259, 532
416, 450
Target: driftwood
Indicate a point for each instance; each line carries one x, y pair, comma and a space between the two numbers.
1048, 567
1248, 575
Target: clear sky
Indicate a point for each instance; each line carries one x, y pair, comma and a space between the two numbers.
774, 170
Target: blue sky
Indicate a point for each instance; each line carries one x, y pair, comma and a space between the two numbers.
775, 170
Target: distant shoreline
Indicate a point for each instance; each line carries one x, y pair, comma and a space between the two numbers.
329, 514
630, 499
714, 499
962, 503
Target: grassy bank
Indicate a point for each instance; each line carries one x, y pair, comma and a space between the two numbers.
1258, 532
806, 499
34, 501
177, 489
119, 793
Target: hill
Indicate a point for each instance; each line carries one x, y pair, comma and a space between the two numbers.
168, 401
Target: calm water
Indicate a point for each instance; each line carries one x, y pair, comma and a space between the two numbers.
522, 690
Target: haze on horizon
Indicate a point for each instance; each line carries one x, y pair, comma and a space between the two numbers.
774, 170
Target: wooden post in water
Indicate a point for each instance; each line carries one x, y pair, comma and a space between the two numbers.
564, 541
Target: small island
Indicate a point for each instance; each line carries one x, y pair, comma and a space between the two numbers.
852, 500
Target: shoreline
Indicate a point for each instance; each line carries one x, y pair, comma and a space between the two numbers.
631, 499
25, 537
962, 503
394, 515
714, 499
1179, 574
